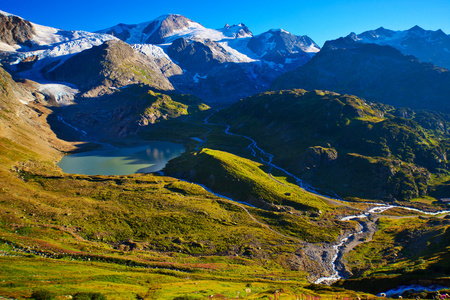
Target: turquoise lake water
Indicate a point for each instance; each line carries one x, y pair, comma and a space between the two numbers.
122, 161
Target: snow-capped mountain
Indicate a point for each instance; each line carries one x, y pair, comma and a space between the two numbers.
236, 31
282, 47
210, 57
218, 65
426, 45
163, 30
35, 46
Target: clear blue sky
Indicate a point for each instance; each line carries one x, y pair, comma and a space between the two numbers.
319, 19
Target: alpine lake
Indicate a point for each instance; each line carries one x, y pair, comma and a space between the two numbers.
148, 158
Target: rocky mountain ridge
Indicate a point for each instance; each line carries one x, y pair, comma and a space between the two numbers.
426, 45
207, 57
376, 72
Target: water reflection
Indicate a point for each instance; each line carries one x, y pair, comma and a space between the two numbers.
122, 161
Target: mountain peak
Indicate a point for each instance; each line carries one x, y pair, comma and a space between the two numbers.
417, 29
236, 31
280, 30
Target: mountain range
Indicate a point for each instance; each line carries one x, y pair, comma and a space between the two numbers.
224, 65
302, 164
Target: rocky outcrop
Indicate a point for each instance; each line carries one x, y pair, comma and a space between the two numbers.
282, 47
160, 30
197, 56
236, 31
15, 30
317, 157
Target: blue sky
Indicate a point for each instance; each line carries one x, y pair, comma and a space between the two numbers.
319, 19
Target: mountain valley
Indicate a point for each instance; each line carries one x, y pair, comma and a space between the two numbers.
319, 172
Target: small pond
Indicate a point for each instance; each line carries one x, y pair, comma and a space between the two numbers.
148, 158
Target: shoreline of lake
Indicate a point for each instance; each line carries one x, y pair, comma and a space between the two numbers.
143, 158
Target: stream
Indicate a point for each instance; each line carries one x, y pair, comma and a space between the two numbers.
378, 208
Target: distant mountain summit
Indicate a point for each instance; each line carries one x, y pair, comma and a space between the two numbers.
236, 31
220, 65
164, 29
376, 72
15, 30
426, 45
280, 46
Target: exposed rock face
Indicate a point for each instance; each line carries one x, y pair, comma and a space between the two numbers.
15, 30
281, 47
196, 56
167, 67
161, 30
236, 31
121, 31
426, 45
317, 157
101, 69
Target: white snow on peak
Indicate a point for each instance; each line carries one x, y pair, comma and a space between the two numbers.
235, 31
312, 49
195, 31
151, 50
81, 40
279, 30
7, 14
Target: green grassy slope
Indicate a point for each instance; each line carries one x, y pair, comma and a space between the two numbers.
345, 144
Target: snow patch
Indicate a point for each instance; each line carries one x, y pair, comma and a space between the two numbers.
63, 94
151, 50
8, 14
7, 47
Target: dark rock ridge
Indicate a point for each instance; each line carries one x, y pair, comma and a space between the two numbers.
197, 56
278, 46
426, 45
121, 31
15, 30
236, 31
102, 69
377, 73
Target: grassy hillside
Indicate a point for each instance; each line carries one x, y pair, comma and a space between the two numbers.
348, 145
137, 236
149, 236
